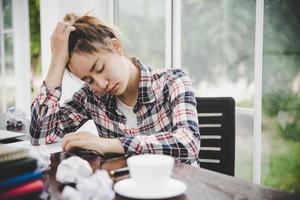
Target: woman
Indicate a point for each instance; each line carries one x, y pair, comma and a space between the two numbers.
136, 109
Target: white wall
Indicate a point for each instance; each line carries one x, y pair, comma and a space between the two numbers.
53, 11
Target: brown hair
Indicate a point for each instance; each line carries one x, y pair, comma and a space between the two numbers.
91, 34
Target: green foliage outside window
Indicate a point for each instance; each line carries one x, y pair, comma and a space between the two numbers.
281, 93
35, 36
7, 11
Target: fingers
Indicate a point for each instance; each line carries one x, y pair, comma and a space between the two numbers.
60, 27
59, 44
75, 143
68, 138
77, 136
69, 29
63, 29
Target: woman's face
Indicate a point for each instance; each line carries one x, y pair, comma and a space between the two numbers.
104, 71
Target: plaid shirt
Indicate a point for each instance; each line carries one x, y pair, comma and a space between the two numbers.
165, 109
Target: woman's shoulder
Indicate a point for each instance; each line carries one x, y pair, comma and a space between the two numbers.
164, 81
83, 93
84, 90
168, 74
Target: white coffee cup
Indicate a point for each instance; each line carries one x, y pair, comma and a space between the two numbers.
150, 171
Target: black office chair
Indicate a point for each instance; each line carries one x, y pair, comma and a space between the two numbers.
216, 116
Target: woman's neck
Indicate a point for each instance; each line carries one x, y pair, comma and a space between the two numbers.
131, 93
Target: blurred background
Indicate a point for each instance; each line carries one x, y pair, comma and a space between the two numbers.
212, 40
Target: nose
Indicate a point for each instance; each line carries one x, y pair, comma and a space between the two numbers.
101, 82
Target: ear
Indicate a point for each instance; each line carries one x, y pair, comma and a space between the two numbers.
117, 46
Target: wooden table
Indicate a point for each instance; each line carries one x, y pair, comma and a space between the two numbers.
202, 184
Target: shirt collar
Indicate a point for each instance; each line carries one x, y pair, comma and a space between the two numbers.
146, 94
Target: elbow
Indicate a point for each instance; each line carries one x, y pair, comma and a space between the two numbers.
34, 135
32, 138
194, 147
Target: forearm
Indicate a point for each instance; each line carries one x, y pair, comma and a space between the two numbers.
56, 119
182, 144
55, 74
44, 126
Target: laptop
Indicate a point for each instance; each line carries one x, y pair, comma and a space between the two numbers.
4, 134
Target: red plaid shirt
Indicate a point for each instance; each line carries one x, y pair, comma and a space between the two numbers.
165, 110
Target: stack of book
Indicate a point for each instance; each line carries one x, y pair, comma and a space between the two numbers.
19, 176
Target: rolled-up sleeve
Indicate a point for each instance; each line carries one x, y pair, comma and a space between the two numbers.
50, 120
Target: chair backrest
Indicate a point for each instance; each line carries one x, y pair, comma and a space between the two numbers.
216, 116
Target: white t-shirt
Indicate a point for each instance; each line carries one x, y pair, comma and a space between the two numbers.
131, 120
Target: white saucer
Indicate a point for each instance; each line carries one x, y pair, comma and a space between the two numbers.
127, 188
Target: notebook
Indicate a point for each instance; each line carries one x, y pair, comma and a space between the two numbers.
4, 135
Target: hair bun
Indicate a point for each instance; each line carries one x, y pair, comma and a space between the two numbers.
71, 18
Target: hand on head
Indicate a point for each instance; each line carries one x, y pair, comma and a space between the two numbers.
59, 42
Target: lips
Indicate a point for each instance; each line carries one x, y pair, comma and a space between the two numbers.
113, 88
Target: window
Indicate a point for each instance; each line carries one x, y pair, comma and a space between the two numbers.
218, 52
7, 74
143, 27
280, 96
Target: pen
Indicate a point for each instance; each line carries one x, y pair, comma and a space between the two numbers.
119, 172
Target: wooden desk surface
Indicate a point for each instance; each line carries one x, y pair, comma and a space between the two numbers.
201, 183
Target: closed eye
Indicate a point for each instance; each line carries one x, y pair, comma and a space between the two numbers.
101, 70
91, 81
88, 80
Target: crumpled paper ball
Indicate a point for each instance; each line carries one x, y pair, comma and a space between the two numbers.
89, 185
72, 168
